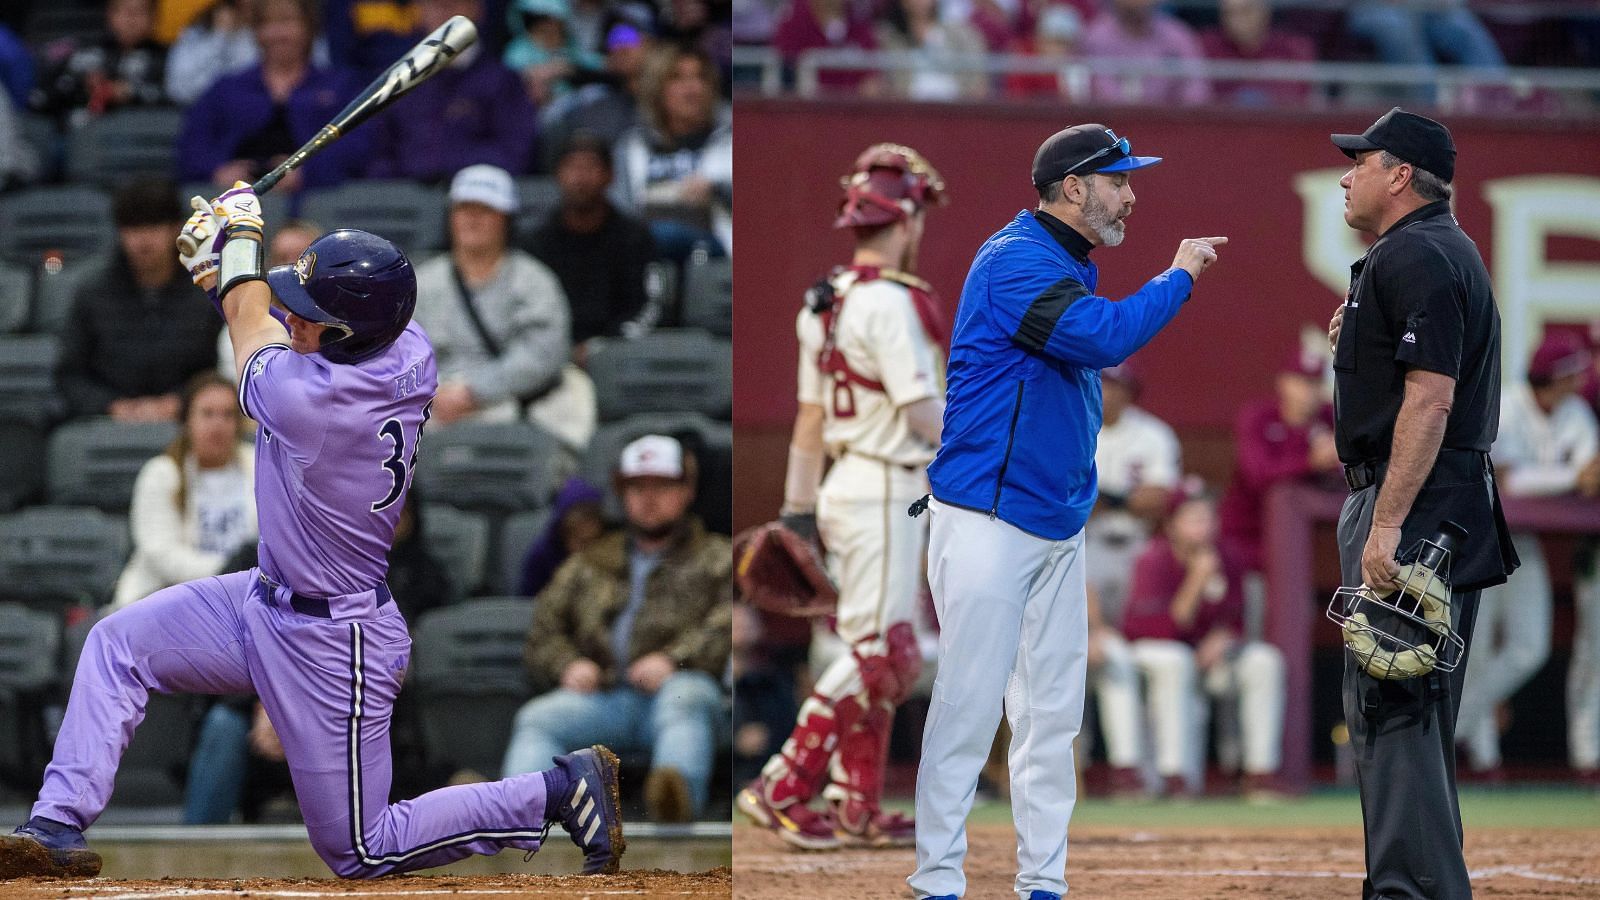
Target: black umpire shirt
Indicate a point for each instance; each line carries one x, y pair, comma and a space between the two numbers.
1420, 299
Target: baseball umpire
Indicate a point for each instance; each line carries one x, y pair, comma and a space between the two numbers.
341, 396
872, 340
1012, 487
1416, 408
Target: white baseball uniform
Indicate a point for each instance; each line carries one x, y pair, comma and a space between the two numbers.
1542, 454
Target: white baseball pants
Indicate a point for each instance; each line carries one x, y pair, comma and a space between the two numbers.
1510, 644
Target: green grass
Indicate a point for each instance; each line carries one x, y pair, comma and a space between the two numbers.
1499, 808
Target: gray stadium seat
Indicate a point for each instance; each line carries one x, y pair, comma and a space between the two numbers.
94, 461
22, 445
502, 466
16, 297
30, 647
708, 296
539, 194
149, 772
41, 134
56, 289
711, 442
408, 214
27, 377
61, 553
663, 371
460, 541
467, 665
517, 534
128, 143
72, 219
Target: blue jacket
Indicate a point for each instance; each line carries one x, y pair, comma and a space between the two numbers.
1022, 410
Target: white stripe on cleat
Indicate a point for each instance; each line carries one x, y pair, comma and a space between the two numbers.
577, 795
588, 836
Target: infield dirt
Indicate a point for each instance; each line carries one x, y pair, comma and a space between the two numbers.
648, 883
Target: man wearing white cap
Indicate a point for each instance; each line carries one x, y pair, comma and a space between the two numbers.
635, 629
497, 317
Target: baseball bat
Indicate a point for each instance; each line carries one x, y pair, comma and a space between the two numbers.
427, 59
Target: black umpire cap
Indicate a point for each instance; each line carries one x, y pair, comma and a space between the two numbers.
1415, 139
1083, 149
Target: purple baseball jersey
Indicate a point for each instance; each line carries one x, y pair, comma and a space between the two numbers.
334, 457
333, 460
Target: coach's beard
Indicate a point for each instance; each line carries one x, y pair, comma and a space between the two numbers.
1099, 217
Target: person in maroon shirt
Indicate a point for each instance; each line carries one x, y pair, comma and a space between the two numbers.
813, 24
1184, 622
1245, 32
1286, 438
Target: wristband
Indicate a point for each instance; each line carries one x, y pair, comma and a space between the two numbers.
244, 258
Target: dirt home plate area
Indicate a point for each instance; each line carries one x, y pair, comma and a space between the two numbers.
1194, 864
648, 883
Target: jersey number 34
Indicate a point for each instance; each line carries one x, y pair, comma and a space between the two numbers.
399, 465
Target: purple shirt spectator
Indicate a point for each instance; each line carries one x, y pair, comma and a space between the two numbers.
237, 119
465, 115
1135, 30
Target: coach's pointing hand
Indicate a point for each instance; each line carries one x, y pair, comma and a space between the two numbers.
1195, 255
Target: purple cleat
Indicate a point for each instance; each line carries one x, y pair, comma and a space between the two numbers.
45, 847
591, 811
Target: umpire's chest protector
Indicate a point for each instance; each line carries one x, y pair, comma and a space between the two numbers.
1020, 426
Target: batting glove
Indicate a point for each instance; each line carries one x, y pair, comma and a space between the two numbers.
240, 211
200, 241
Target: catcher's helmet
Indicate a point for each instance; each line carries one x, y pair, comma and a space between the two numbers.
356, 283
889, 182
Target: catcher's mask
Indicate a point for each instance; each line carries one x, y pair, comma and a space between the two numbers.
1406, 633
889, 182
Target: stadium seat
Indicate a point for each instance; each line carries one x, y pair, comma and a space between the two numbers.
711, 442
129, 143
30, 644
41, 134
62, 19
708, 296
22, 445
490, 466
152, 769
539, 194
459, 540
406, 213
467, 665
56, 289
16, 297
94, 461
61, 554
663, 371
517, 534
27, 378
74, 220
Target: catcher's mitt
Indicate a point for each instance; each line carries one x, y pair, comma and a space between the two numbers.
779, 571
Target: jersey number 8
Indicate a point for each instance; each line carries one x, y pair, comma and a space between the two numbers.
398, 465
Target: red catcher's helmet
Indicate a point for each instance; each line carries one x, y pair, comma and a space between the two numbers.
889, 182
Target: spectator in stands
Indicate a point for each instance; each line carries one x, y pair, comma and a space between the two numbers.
474, 112
219, 43
1135, 30
19, 162
1138, 460
138, 330
1404, 32
598, 251
250, 121
499, 319
677, 165
122, 66
1547, 436
1285, 438
764, 705
755, 22
703, 25
16, 68
1184, 622
369, 35
1583, 672
1055, 38
827, 24
635, 630
576, 521
607, 106
914, 26
543, 49
1245, 32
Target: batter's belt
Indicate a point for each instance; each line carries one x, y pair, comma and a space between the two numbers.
317, 606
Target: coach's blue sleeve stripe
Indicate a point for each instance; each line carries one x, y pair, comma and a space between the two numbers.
1039, 322
244, 376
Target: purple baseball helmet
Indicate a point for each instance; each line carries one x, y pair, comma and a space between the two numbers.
356, 283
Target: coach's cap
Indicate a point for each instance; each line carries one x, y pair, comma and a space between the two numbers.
652, 456
1083, 149
1561, 354
1416, 139
490, 185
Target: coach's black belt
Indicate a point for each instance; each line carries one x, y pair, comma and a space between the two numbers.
318, 606
1451, 463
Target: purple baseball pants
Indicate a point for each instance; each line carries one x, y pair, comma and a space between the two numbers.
328, 684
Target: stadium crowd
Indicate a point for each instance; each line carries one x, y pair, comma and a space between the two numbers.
564, 193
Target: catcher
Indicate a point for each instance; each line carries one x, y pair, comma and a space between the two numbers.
871, 389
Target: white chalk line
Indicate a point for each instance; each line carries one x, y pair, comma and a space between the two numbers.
105, 893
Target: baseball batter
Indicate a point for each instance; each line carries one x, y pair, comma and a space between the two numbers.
1012, 487
341, 396
870, 390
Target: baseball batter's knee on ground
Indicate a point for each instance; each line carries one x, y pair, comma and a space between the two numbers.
683, 723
